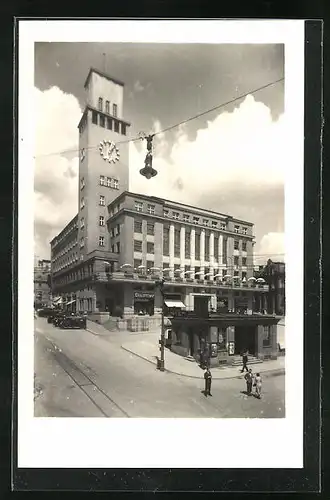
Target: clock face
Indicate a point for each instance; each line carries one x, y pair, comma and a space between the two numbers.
109, 151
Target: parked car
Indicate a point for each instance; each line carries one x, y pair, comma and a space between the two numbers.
45, 312
73, 321
58, 318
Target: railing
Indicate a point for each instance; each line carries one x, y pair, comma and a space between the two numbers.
134, 276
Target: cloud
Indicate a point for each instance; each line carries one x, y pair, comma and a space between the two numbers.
138, 87
55, 181
272, 245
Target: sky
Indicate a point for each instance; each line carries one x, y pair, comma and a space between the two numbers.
231, 160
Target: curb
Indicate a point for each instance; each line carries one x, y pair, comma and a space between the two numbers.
266, 373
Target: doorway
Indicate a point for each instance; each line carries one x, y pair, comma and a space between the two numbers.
246, 339
201, 306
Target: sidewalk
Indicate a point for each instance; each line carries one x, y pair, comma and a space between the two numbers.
148, 349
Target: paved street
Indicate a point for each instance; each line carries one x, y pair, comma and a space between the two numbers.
79, 374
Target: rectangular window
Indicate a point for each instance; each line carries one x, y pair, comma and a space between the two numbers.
224, 250
118, 247
166, 213
236, 229
137, 246
176, 242
82, 223
216, 248
137, 263
205, 222
185, 217
187, 245
243, 275
102, 121
150, 247
207, 247
244, 230
214, 224
115, 184
118, 229
94, 117
107, 107
151, 209
150, 228
114, 110
236, 245
166, 241
195, 220
102, 200
102, 181
175, 215
243, 261
116, 127
123, 129
236, 260
109, 124
244, 246
138, 205
101, 241
137, 226
197, 246
100, 103
109, 182
101, 220
223, 226
150, 264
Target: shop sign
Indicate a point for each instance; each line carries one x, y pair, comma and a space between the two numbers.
231, 348
144, 295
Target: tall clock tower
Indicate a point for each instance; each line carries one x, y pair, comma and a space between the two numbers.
103, 158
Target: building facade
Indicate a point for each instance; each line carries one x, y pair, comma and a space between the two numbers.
274, 275
42, 283
108, 259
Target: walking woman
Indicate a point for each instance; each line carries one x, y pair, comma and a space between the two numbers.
258, 384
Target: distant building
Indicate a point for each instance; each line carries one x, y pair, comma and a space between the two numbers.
42, 283
274, 275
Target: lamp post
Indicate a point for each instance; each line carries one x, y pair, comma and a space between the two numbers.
161, 361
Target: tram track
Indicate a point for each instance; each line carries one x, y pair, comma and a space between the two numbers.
83, 381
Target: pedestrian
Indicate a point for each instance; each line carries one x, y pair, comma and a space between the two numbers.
208, 382
249, 380
258, 384
245, 360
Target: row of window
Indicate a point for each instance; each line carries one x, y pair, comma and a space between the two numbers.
138, 227
108, 123
239, 229
64, 251
65, 234
107, 107
109, 182
150, 208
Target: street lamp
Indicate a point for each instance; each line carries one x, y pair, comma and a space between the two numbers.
148, 172
161, 361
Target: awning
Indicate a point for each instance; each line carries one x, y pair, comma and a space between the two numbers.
174, 303
71, 302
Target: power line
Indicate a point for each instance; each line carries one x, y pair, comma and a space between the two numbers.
135, 139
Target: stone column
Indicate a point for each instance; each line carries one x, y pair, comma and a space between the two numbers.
182, 246
171, 252
202, 250
211, 253
128, 300
260, 337
273, 340
220, 259
192, 252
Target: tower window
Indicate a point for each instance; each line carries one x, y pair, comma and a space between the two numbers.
107, 107
109, 124
102, 121
101, 241
102, 201
100, 103
101, 220
123, 129
102, 181
115, 184
116, 126
94, 117
114, 110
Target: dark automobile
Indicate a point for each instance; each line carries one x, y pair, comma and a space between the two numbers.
73, 321
58, 318
45, 312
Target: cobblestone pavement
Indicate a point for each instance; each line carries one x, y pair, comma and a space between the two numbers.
81, 374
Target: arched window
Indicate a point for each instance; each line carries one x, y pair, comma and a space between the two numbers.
100, 103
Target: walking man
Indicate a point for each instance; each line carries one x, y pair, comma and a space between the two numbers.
208, 382
245, 360
249, 380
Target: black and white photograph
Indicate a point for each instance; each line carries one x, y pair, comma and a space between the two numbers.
162, 265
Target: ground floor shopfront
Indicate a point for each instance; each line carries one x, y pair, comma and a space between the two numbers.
119, 298
225, 336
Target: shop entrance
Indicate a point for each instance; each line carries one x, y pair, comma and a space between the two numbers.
201, 305
246, 339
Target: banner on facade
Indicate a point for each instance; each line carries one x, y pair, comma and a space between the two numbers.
144, 296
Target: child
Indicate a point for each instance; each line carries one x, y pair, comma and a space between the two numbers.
258, 383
